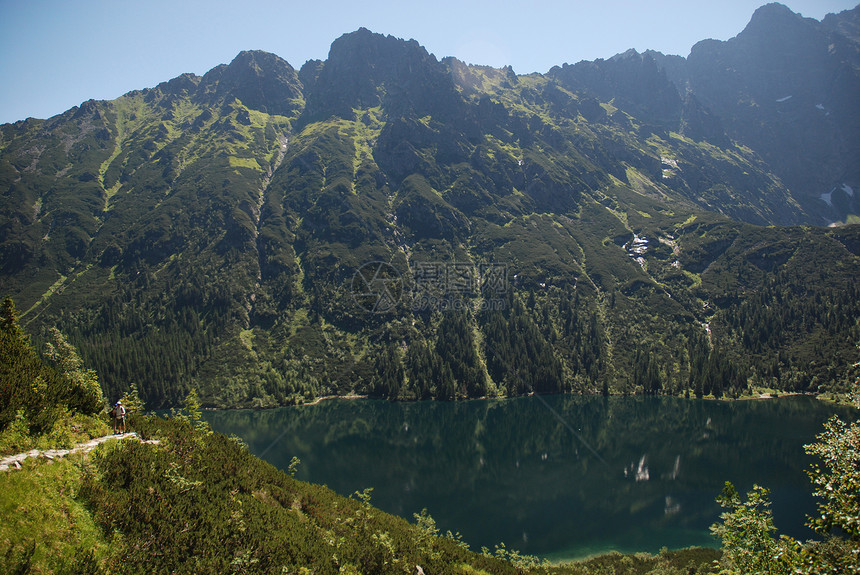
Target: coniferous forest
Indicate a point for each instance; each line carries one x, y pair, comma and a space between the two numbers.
187, 500
619, 226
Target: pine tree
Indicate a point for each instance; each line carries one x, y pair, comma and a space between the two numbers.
131, 400
83, 391
194, 412
21, 372
9, 320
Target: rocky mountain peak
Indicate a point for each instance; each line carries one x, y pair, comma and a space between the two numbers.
846, 23
365, 69
771, 12
182, 84
780, 86
634, 81
776, 23
260, 80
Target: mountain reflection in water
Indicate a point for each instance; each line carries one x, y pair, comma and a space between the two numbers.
513, 471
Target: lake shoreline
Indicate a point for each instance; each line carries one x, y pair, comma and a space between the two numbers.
351, 397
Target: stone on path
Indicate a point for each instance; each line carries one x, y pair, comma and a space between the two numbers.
14, 461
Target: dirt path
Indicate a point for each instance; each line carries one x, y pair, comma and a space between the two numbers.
13, 462
327, 397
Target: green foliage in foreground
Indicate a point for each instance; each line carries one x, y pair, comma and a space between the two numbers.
46, 527
694, 561
747, 529
747, 535
200, 503
41, 406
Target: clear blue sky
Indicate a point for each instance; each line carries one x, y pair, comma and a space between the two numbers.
55, 54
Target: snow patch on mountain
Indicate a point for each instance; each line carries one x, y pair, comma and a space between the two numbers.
828, 197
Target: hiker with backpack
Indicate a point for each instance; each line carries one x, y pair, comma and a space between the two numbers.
118, 413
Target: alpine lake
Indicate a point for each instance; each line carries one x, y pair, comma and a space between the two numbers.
561, 477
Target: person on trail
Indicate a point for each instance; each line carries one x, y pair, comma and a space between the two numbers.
118, 412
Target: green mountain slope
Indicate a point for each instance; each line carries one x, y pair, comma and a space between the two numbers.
386, 223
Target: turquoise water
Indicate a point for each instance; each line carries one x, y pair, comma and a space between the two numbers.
556, 476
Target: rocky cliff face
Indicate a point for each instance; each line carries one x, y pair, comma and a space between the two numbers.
632, 81
787, 87
261, 81
366, 70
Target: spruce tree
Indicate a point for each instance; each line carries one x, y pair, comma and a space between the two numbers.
82, 392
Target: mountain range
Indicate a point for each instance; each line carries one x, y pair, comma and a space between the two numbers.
387, 223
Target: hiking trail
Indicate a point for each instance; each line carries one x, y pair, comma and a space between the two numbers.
13, 462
